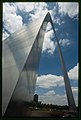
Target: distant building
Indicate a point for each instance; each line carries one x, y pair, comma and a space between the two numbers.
35, 98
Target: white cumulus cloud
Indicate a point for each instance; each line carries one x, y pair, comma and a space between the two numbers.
48, 27
73, 73
48, 44
40, 9
64, 42
70, 8
51, 98
48, 81
25, 6
11, 21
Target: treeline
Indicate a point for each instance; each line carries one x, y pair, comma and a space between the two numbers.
41, 105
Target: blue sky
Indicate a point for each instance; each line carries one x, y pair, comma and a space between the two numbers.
50, 84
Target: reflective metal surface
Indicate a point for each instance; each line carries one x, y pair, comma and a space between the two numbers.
20, 60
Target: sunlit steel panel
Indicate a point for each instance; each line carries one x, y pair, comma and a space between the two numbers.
18, 50
25, 88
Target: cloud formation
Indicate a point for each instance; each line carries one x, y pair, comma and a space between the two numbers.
49, 81
70, 8
25, 6
64, 42
48, 44
73, 73
52, 98
11, 21
40, 9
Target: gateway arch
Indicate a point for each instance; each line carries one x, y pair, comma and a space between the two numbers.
20, 60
